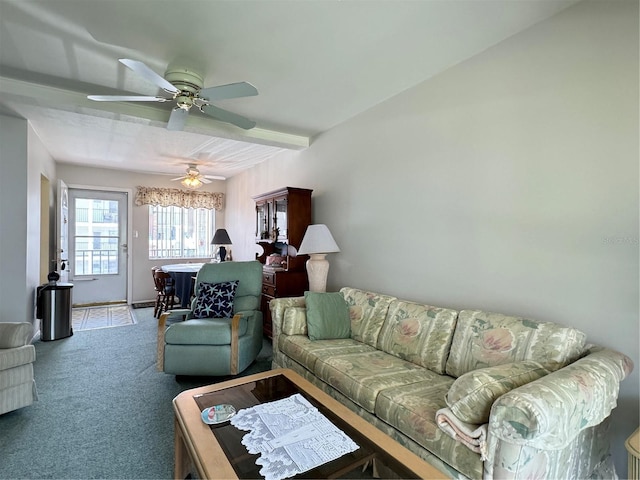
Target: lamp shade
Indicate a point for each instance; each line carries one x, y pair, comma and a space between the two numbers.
317, 239
221, 237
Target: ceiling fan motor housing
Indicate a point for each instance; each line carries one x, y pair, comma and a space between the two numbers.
184, 80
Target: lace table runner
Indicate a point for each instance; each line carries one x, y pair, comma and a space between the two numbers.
291, 436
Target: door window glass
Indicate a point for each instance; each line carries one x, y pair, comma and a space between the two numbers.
96, 237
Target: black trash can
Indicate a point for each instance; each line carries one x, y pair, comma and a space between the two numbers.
54, 309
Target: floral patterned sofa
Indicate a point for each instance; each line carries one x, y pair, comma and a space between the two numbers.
476, 394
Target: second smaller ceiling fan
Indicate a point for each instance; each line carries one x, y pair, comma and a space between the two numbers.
194, 179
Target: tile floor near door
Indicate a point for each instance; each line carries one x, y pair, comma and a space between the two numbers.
89, 318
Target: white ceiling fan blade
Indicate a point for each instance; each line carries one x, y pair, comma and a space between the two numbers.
215, 177
125, 98
178, 178
149, 75
233, 90
178, 119
203, 179
229, 117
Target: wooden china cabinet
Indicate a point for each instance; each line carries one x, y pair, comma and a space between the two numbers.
282, 217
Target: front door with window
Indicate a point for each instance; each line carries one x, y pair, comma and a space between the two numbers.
98, 246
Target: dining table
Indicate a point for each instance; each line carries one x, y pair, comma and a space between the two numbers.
182, 275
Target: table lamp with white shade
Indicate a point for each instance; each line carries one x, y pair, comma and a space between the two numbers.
316, 243
221, 237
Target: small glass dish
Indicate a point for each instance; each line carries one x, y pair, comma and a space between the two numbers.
218, 414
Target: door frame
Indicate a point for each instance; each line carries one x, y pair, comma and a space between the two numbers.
129, 193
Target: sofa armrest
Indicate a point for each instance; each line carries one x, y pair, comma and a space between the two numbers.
549, 413
15, 334
278, 307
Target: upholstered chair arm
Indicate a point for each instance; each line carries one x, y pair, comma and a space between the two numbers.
15, 334
162, 327
235, 326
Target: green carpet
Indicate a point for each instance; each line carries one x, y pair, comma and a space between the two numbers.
104, 410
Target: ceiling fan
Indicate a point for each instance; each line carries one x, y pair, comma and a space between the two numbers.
194, 179
185, 86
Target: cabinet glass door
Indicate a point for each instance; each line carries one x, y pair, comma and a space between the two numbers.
262, 221
280, 207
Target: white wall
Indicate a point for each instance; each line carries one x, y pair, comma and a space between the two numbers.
13, 214
23, 160
508, 183
142, 284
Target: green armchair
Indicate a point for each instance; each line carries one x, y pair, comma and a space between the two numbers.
214, 346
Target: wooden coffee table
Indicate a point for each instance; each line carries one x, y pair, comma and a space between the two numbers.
215, 451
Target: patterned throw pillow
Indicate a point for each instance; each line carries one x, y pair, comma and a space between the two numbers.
215, 300
471, 396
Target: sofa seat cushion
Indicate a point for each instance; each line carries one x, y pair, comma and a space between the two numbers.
203, 331
307, 352
418, 333
15, 376
13, 357
367, 312
485, 339
361, 376
412, 410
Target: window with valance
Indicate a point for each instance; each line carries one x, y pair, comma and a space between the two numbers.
168, 197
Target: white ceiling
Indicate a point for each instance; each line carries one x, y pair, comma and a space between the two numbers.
315, 63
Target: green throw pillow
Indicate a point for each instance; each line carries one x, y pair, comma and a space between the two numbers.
327, 316
471, 396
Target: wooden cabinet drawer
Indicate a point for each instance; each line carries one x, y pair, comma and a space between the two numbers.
277, 284
269, 290
269, 277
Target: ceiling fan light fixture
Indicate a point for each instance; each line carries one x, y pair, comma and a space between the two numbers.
184, 101
191, 182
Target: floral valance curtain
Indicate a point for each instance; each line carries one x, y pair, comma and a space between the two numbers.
168, 197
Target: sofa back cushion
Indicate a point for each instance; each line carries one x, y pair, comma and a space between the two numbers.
367, 312
420, 334
483, 339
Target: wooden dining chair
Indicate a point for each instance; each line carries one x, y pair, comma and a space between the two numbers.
165, 291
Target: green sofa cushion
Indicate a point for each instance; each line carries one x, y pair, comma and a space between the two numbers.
484, 339
418, 333
412, 410
361, 376
327, 316
471, 396
368, 312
